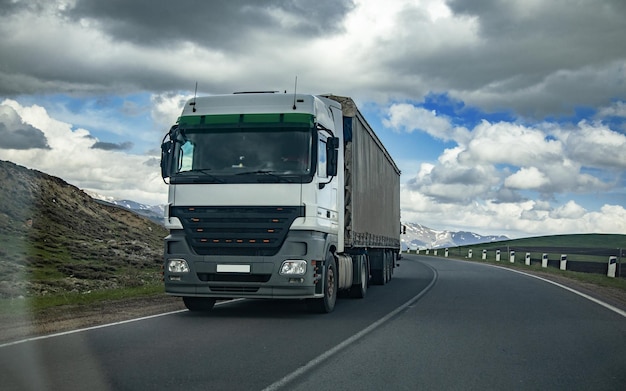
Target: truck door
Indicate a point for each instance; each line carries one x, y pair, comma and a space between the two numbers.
327, 189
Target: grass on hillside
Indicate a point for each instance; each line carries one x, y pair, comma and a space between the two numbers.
35, 304
573, 241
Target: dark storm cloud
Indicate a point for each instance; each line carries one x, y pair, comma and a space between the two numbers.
7, 7
529, 58
505, 195
527, 55
153, 162
220, 24
538, 39
137, 45
14, 134
113, 146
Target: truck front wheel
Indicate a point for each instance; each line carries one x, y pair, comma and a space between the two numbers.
326, 304
198, 303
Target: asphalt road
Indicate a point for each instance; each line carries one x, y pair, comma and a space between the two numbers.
439, 324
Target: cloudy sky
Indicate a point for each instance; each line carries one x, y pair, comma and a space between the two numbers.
505, 116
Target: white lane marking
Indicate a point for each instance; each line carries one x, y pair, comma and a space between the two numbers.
327, 354
586, 296
101, 326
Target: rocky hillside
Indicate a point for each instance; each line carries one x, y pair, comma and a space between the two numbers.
55, 238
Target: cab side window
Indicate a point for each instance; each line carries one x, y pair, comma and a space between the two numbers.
321, 163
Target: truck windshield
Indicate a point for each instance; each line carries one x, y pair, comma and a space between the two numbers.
245, 155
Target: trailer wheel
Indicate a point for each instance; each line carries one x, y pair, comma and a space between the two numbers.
196, 304
388, 264
359, 290
326, 304
379, 276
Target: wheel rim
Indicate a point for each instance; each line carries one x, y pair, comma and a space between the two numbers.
363, 277
330, 288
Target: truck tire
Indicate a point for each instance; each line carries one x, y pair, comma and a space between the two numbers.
326, 304
359, 290
388, 264
196, 304
379, 276
378, 263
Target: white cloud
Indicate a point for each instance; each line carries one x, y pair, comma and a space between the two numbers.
526, 178
616, 109
490, 181
571, 210
166, 108
72, 158
546, 158
408, 117
595, 145
520, 219
509, 143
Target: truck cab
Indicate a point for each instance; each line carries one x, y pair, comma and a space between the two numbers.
254, 201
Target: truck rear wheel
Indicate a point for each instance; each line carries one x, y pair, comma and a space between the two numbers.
359, 290
379, 267
326, 304
388, 264
198, 303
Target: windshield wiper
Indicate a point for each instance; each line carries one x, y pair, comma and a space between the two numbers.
204, 171
268, 173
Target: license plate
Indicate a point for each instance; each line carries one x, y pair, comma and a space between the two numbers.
233, 268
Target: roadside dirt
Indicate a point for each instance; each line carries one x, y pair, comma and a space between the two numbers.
66, 318
612, 296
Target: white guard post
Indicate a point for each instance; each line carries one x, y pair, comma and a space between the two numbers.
527, 261
612, 267
563, 265
512, 256
544, 260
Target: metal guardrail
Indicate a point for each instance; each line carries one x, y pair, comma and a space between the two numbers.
605, 261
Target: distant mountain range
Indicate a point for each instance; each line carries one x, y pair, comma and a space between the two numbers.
421, 237
153, 212
417, 235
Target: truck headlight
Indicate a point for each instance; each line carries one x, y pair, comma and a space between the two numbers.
177, 266
293, 267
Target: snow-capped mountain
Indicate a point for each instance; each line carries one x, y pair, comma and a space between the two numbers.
419, 236
153, 212
141, 208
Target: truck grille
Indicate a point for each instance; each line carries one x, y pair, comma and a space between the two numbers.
226, 230
225, 277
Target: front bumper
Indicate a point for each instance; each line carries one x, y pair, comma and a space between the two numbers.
259, 277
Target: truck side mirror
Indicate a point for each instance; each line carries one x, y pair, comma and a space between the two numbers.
332, 153
166, 159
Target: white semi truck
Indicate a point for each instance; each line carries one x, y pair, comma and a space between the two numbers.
277, 196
